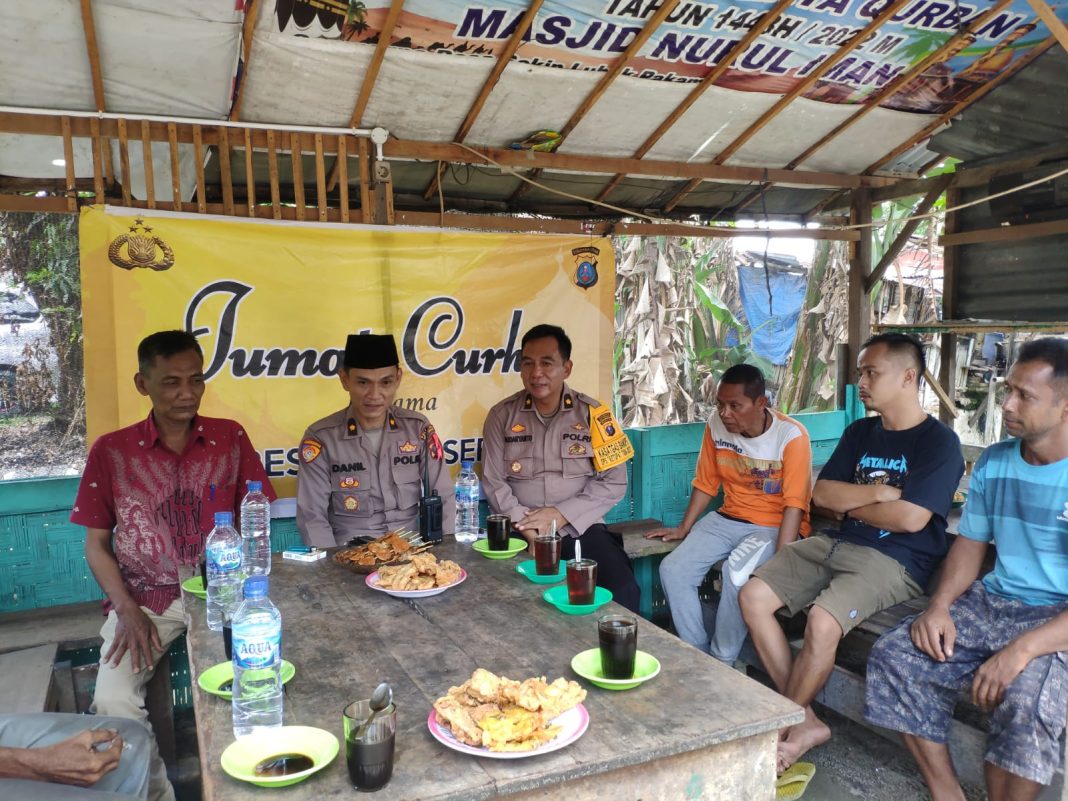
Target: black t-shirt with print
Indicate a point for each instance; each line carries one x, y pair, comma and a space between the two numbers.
924, 462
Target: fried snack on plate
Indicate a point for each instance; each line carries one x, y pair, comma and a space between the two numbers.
448, 572
508, 715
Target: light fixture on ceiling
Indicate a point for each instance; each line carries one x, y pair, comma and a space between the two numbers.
59, 162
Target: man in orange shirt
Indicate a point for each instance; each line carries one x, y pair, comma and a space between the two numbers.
763, 461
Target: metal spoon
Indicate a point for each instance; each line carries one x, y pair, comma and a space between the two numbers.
381, 698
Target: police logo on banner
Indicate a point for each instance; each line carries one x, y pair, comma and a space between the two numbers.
585, 266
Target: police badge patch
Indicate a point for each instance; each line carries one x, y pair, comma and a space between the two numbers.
518, 428
516, 467
310, 450
351, 503
349, 482
585, 266
407, 447
577, 450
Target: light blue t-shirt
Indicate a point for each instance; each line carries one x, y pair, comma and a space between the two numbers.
1023, 509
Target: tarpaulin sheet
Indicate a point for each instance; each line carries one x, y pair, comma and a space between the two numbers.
773, 327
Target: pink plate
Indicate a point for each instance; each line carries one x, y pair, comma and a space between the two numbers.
372, 582
574, 723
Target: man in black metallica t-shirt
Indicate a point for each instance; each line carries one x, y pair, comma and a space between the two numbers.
891, 479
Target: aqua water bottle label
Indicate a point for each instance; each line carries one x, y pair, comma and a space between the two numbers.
224, 561
258, 653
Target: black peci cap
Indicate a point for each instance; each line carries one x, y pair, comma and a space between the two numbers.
371, 351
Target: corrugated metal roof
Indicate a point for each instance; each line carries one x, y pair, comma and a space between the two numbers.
1029, 110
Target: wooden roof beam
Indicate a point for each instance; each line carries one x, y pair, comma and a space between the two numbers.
606, 81
902, 239
529, 159
706, 83
49, 125
1045, 13
93, 50
491, 81
248, 31
370, 77
807, 83
892, 88
974, 97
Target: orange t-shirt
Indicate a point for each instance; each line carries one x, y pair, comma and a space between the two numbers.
760, 476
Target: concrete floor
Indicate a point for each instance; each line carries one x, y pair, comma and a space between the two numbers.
859, 764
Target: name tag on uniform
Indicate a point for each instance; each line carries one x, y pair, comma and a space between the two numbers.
610, 445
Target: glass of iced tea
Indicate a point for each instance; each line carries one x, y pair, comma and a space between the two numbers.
581, 581
618, 638
547, 554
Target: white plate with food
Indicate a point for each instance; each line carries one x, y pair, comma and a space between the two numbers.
499, 718
421, 576
372, 582
573, 724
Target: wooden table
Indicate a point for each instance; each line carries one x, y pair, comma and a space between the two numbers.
699, 730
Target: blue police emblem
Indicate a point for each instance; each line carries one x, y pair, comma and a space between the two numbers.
585, 266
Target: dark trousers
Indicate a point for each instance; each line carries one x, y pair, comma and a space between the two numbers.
614, 572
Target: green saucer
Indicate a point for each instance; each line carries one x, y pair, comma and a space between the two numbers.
215, 677
557, 596
515, 545
195, 586
529, 570
588, 665
241, 757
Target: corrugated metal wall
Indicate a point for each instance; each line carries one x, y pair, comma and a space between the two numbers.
1023, 280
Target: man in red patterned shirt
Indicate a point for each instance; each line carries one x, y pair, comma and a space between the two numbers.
147, 498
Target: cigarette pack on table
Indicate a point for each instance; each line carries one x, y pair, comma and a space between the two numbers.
303, 554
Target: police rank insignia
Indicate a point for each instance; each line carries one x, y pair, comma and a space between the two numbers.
516, 467
310, 450
407, 447
579, 427
585, 266
518, 428
577, 450
351, 503
349, 482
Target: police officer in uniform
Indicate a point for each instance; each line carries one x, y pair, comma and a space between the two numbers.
537, 463
361, 469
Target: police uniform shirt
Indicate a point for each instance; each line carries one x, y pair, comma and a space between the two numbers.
529, 464
346, 486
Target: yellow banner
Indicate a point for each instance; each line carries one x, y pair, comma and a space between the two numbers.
272, 303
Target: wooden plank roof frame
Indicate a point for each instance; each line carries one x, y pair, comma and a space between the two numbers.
886, 93
807, 83
705, 84
602, 85
369, 79
514, 41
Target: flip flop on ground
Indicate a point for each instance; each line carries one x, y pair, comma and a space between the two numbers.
794, 781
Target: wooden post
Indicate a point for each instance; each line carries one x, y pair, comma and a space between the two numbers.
947, 367
842, 371
860, 258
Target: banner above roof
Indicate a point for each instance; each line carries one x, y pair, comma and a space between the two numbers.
695, 36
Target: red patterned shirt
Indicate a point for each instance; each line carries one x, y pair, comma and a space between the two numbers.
162, 505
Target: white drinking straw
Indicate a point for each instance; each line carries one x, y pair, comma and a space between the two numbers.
578, 551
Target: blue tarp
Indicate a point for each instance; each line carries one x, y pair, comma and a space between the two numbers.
773, 334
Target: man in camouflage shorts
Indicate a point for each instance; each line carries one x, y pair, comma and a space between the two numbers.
1004, 639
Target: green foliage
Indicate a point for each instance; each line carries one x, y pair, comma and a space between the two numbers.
40, 252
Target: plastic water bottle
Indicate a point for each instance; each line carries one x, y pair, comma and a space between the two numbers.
224, 569
256, 530
466, 504
257, 692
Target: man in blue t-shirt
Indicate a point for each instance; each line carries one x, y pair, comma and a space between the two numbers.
891, 481
1004, 638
